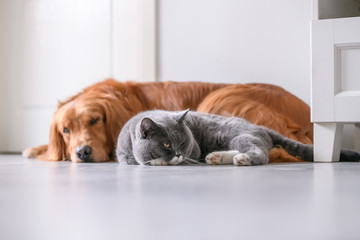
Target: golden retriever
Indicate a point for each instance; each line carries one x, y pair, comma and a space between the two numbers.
86, 126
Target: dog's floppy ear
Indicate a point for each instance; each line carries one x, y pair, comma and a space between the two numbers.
56, 149
119, 104
115, 116
117, 111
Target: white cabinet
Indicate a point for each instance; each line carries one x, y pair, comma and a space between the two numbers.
335, 73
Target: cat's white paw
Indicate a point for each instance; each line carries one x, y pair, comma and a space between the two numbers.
214, 158
158, 162
176, 160
242, 159
222, 157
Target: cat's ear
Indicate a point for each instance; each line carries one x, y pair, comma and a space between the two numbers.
182, 116
147, 126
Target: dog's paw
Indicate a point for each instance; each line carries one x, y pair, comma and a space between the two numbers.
36, 152
214, 158
242, 159
30, 153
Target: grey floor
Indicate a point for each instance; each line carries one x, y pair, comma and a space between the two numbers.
63, 200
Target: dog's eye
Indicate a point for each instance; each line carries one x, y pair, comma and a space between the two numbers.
167, 145
94, 120
65, 130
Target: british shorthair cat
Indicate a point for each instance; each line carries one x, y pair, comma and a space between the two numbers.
171, 138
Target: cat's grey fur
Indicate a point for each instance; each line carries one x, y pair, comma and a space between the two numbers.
162, 138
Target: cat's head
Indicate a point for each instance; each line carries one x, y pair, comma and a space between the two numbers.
170, 140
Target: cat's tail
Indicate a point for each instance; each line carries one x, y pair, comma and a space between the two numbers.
349, 156
306, 151
296, 149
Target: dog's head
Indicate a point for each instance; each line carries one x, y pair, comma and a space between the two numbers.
86, 127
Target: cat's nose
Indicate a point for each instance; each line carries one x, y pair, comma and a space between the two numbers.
177, 154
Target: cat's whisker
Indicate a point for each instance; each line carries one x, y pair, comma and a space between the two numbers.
190, 161
187, 163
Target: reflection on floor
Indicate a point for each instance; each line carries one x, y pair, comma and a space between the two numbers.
63, 200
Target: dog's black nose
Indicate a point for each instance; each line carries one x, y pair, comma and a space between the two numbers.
83, 152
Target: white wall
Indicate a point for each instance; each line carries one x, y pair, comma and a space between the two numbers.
236, 41
50, 50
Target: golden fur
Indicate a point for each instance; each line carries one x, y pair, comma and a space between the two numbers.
110, 104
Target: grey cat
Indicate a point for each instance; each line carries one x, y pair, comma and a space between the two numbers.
170, 138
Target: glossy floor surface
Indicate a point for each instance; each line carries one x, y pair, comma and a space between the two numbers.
63, 200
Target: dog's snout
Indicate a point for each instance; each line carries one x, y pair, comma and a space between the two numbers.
83, 152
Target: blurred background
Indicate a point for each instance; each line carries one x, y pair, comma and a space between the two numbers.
51, 49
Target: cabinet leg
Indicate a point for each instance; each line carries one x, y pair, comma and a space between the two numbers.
357, 137
327, 141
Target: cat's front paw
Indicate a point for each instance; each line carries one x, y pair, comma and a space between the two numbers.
242, 159
214, 158
158, 162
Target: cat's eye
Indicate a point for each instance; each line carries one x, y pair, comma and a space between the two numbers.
167, 145
66, 130
182, 144
94, 120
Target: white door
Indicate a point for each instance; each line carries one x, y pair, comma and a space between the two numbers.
50, 50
